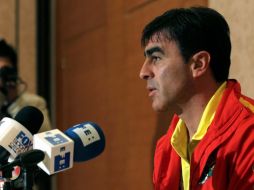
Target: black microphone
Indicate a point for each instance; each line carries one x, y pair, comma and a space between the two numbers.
28, 162
27, 159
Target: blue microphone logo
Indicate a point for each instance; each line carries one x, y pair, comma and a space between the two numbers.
87, 133
21, 143
56, 139
62, 162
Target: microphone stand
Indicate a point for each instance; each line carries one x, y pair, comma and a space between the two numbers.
7, 185
6, 175
6, 172
28, 162
7, 179
28, 174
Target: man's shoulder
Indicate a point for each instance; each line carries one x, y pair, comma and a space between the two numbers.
247, 102
30, 98
26, 99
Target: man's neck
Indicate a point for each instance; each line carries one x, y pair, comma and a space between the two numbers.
12, 94
194, 108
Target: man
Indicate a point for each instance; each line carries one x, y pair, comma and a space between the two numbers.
13, 90
210, 141
13, 97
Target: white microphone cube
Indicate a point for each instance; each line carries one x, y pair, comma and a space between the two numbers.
58, 149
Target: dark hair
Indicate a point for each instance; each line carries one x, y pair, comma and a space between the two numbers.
195, 29
7, 51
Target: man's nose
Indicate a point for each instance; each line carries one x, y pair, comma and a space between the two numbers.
146, 72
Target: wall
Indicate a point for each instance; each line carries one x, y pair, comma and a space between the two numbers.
239, 15
18, 27
98, 61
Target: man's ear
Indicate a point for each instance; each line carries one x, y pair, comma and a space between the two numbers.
200, 63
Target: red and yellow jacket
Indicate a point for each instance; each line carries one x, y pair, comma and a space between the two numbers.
223, 159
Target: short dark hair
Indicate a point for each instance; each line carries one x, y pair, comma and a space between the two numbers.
7, 51
195, 29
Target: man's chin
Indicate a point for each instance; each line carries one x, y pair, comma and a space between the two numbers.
159, 108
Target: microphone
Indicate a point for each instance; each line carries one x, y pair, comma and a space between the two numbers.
25, 159
16, 134
89, 141
58, 150
82, 142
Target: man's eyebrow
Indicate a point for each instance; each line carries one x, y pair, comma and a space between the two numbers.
150, 51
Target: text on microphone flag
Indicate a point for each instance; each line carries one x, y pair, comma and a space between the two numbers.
55, 139
87, 133
21, 143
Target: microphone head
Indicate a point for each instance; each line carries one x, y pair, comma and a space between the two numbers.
31, 118
89, 141
29, 158
26, 159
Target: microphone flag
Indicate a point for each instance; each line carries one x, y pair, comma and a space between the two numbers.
58, 149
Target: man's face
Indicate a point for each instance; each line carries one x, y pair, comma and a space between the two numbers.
168, 76
4, 62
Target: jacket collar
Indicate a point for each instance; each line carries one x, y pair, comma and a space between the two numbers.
228, 112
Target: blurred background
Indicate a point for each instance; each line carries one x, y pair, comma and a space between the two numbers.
84, 58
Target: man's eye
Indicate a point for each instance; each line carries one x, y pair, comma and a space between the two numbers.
155, 58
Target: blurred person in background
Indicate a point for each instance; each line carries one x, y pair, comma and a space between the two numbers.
13, 97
